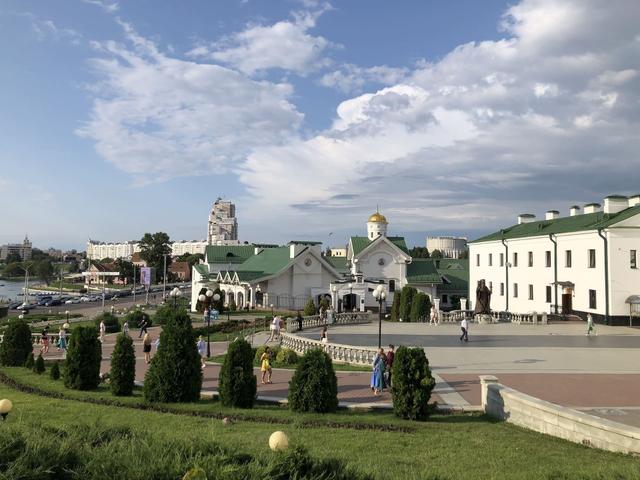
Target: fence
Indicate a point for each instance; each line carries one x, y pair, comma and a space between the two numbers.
315, 321
337, 352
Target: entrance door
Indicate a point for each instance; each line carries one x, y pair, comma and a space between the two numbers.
567, 303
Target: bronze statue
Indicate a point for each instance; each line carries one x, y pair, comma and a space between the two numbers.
483, 299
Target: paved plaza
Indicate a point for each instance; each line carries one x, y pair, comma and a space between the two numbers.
555, 362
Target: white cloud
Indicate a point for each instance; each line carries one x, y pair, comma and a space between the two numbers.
546, 117
352, 78
285, 45
159, 117
48, 29
108, 7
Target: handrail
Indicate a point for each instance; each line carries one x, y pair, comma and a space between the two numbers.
338, 352
315, 321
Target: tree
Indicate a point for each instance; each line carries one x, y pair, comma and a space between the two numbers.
30, 361
175, 374
84, 354
44, 271
314, 387
125, 268
309, 308
13, 257
107, 260
238, 383
419, 252
464, 255
12, 269
111, 323
38, 367
395, 307
74, 267
123, 366
437, 254
412, 384
191, 258
55, 371
17, 344
420, 306
406, 297
153, 248
325, 303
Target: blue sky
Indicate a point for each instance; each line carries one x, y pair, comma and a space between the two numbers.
120, 118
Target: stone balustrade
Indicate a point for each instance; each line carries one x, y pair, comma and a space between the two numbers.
36, 338
315, 321
337, 352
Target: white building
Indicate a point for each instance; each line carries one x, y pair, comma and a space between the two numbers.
98, 250
580, 264
223, 225
338, 252
23, 249
450, 247
188, 246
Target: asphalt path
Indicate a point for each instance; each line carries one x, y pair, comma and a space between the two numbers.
484, 341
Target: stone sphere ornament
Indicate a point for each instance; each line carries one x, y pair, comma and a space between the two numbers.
5, 407
278, 441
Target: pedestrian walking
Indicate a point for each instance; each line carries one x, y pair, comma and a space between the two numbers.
464, 326
143, 326
275, 328
103, 330
590, 325
377, 376
125, 328
390, 358
202, 350
44, 340
324, 336
265, 366
433, 317
146, 347
299, 318
62, 341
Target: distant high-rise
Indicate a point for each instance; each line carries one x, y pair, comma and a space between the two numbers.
223, 225
450, 247
23, 249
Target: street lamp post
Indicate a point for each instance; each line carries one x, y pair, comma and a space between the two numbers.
164, 278
207, 300
67, 314
334, 289
175, 294
380, 294
351, 296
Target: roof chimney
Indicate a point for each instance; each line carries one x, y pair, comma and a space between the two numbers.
592, 208
615, 203
573, 211
634, 200
552, 215
526, 218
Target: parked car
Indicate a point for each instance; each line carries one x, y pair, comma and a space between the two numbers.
53, 303
72, 301
14, 305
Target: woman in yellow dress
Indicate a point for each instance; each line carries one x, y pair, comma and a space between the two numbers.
265, 366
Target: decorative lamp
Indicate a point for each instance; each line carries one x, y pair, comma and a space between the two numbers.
6, 405
278, 441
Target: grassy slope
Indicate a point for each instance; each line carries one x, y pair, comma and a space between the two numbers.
465, 446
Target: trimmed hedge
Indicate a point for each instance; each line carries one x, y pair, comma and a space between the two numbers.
275, 350
175, 374
412, 384
84, 354
286, 356
238, 384
38, 367
54, 373
111, 322
406, 298
123, 366
30, 363
314, 386
17, 345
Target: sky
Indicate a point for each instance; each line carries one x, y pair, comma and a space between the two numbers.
124, 117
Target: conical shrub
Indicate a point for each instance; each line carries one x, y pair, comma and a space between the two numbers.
238, 383
16, 344
84, 354
123, 366
39, 365
314, 386
30, 363
55, 371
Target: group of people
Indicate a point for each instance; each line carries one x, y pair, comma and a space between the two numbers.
45, 341
277, 324
382, 366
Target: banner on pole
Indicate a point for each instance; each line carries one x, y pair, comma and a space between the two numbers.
145, 276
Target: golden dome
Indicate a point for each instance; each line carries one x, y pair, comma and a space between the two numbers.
378, 218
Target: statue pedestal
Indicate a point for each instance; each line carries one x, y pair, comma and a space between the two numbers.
484, 318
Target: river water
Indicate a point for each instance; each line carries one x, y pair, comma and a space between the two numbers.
11, 290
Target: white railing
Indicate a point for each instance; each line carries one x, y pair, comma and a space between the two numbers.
455, 316
337, 352
37, 337
315, 321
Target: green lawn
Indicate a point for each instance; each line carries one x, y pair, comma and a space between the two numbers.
445, 447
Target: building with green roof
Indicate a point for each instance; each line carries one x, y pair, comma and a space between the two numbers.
581, 264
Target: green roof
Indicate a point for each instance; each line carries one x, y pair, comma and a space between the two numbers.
456, 272
304, 242
228, 253
423, 270
201, 269
576, 223
360, 243
267, 262
339, 263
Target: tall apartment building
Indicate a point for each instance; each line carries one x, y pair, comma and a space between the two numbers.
23, 249
223, 225
583, 263
451, 247
99, 250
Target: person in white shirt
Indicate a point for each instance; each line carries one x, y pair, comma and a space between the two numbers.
275, 328
103, 330
464, 326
